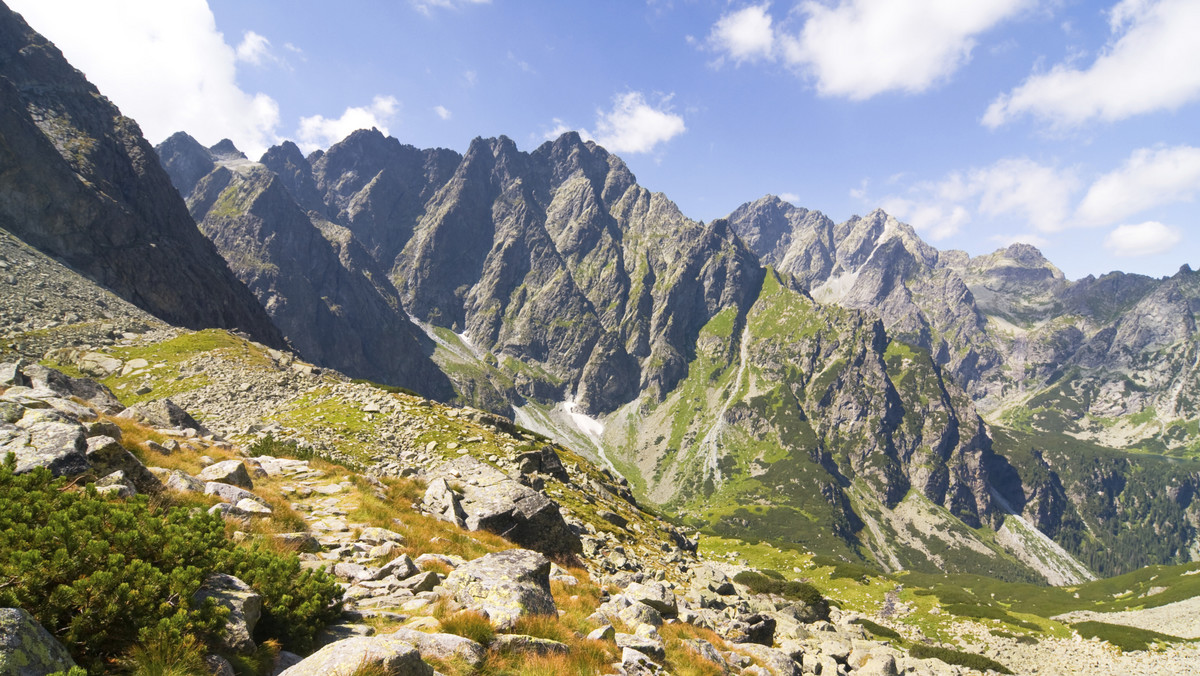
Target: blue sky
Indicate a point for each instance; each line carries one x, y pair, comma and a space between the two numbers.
1072, 125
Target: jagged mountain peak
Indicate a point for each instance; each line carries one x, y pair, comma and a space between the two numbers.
185, 160
225, 150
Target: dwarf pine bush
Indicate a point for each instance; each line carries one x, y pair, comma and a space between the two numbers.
104, 575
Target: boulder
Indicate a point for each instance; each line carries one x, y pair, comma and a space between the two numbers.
106, 455
756, 628
387, 654
26, 648
520, 643
116, 484
493, 502
708, 651
11, 376
232, 472
48, 440
178, 480
505, 586
161, 413
231, 494
645, 642
244, 604
443, 646
441, 501
656, 595
98, 364
777, 662
88, 390
402, 567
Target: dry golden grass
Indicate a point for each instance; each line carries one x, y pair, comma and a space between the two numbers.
682, 660
468, 624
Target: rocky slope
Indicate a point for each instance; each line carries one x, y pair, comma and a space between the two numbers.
78, 182
327, 296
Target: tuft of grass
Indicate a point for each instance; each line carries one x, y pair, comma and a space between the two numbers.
468, 624
543, 626
166, 653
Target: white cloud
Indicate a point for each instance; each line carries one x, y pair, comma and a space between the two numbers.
254, 49
1149, 67
427, 7
442, 112
860, 48
1011, 190
1149, 178
163, 63
745, 35
791, 197
1143, 239
561, 128
635, 126
1006, 239
319, 131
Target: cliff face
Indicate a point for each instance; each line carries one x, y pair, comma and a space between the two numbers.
78, 182
327, 296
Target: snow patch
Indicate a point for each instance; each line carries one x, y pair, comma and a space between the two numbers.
584, 422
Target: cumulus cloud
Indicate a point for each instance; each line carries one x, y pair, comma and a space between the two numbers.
1149, 178
635, 126
1143, 239
1145, 68
319, 131
745, 35
860, 48
442, 112
164, 64
1012, 190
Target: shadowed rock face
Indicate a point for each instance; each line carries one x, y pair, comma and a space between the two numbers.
328, 296
78, 182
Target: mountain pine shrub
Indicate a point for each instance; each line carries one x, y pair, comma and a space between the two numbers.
105, 575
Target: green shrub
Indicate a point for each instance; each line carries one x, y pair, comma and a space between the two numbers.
278, 448
1023, 639
105, 575
969, 660
1127, 639
764, 583
985, 612
877, 629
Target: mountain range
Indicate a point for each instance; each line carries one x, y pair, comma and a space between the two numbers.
845, 389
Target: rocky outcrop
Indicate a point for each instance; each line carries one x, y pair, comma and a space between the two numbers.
492, 501
245, 609
81, 184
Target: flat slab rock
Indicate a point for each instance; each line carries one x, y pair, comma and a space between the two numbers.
390, 654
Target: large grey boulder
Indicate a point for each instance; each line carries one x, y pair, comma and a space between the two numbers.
98, 364
504, 586
494, 502
65, 386
43, 438
232, 472
389, 654
106, 455
443, 646
777, 662
245, 608
161, 413
26, 648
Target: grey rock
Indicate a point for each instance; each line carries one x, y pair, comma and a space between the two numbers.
602, 633
178, 480
443, 646
98, 364
162, 414
421, 582
389, 654
777, 662
58, 446
26, 648
106, 455
505, 586
645, 644
708, 651
528, 644
656, 595
231, 494
492, 501
245, 606
402, 567
231, 472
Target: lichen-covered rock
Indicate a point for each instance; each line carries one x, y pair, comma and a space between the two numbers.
520, 643
245, 608
443, 646
493, 502
26, 648
161, 413
389, 654
777, 662
98, 364
656, 595
232, 472
106, 455
47, 439
504, 586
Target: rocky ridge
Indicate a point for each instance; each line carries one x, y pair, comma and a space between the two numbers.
81, 185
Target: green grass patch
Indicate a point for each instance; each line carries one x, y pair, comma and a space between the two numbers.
1127, 639
964, 659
